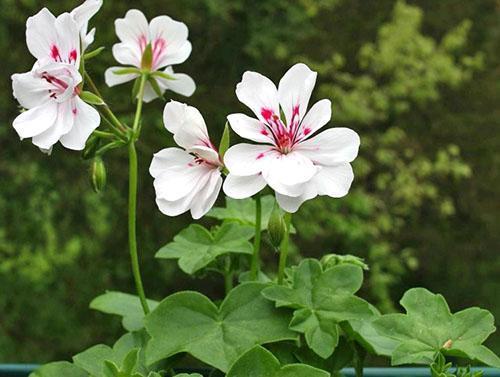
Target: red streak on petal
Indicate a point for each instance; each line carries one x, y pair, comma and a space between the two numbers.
266, 113
261, 155
307, 131
74, 111
54, 52
264, 132
73, 55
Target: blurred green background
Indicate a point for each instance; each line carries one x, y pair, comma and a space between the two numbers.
418, 80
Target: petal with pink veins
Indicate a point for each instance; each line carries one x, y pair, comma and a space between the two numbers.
208, 154
250, 128
238, 187
41, 34
30, 90
133, 28
331, 146
36, 120
295, 90
86, 120
248, 159
169, 41
259, 94
319, 115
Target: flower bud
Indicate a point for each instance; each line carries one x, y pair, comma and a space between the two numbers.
97, 174
90, 148
276, 227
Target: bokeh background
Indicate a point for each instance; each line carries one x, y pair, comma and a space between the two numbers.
418, 80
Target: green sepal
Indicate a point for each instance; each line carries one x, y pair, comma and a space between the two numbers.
91, 98
92, 54
225, 141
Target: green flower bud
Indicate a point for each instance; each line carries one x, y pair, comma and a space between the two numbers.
97, 174
276, 227
90, 147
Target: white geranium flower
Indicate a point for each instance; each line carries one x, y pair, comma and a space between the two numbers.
295, 164
189, 178
82, 15
50, 90
170, 46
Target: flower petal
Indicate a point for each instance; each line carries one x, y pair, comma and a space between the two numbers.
334, 181
319, 115
181, 83
41, 34
331, 147
187, 125
238, 187
84, 12
166, 158
127, 54
209, 154
249, 128
61, 126
169, 41
283, 172
132, 28
295, 90
36, 120
87, 119
113, 79
205, 199
258, 93
176, 182
30, 90
247, 159
291, 204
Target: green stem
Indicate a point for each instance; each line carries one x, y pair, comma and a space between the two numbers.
255, 266
284, 248
132, 200
228, 275
132, 213
359, 359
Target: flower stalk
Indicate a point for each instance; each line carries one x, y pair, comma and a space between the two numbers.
255, 264
284, 248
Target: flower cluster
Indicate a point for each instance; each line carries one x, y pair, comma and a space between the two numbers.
50, 91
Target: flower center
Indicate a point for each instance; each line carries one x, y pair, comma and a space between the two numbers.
285, 136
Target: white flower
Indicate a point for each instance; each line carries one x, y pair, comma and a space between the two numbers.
297, 166
169, 43
81, 15
189, 178
50, 90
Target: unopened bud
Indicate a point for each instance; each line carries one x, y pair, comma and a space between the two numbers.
147, 57
331, 260
90, 147
97, 174
276, 227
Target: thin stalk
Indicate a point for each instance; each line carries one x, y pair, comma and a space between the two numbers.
132, 201
104, 135
284, 248
228, 275
255, 265
359, 359
105, 108
132, 213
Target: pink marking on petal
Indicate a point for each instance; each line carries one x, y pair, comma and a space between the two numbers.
266, 113
143, 42
54, 53
159, 47
295, 110
307, 131
73, 55
264, 132
74, 111
261, 155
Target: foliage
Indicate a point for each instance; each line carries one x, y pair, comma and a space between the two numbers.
414, 104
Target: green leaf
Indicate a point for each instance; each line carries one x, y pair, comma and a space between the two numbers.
188, 375
322, 300
190, 322
125, 305
243, 211
259, 362
126, 352
429, 327
196, 247
156, 87
91, 98
58, 369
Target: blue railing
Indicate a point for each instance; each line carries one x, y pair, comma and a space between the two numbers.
23, 370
